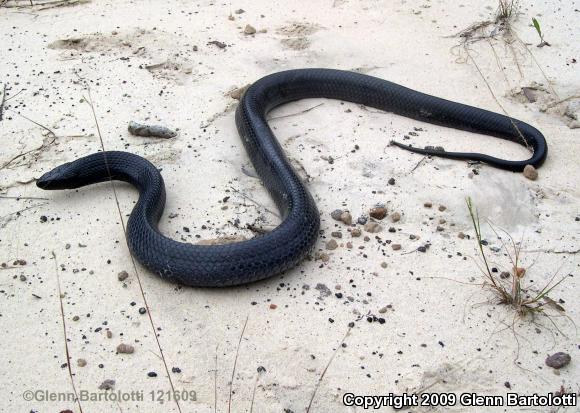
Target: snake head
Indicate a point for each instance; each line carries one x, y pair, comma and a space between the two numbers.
64, 176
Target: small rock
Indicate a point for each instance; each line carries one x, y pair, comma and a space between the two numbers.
322, 256
107, 385
558, 360
349, 245
362, 220
175, 370
392, 181
142, 310
346, 217
378, 212
238, 92
383, 264
396, 247
336, 214
428, 204
125, 349
122, 276
331, 245
249, 29
240, 11
372, 227
530, 172
273, 306
336, 234
461, 235
395, 217
356, 232
442, 208
81, 362
109, 334
504, 274
440, 228
152, 374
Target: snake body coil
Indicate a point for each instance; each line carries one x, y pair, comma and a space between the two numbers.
291, 241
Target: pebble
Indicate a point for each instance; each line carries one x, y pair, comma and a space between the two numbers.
107, 384
392, 181
558, 360
175, 370
322, 256
383, 264
81, 362
349, 245
122, 276
372, 227
442, 208
76, 318
249, 29
395, 217
125, 349
396, 247
422, 248
152, 374
428, 204
273, 306
378, 212
109, 334
331, 245
346, 217
530, 172
336, 214
504, 275
461, 235
362, 220
142, 310
336, 234
356, 232
440, 228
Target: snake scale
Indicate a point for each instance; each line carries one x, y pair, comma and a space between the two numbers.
290, 242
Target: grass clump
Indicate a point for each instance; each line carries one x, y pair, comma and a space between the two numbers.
509, 286
506, 10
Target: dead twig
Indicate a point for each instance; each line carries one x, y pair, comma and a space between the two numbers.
2, 103
297, 113
254, 202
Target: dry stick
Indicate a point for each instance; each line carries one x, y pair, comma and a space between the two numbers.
297, 113
90, 103
235, 363
254, 202
2, 102
64, 330
325, 369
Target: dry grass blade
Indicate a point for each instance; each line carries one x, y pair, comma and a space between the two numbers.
235, 364
77, 399
325, 370
141, 289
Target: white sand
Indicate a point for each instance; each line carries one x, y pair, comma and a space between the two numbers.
470, 345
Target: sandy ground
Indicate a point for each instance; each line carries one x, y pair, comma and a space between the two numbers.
152, 61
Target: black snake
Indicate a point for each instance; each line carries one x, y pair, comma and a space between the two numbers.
289, 243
